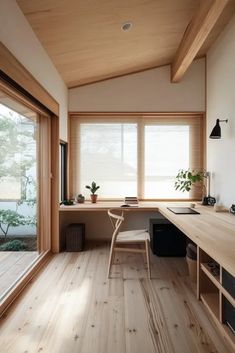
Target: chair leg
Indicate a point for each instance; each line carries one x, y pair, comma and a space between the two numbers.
111, 254
147, 256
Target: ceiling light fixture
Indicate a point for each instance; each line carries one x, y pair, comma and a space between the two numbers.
126, 26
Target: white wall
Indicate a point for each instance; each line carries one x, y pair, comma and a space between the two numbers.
17, 35
146, 91
221, 105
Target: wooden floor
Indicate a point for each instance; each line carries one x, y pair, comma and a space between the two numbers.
12, 265
72, 308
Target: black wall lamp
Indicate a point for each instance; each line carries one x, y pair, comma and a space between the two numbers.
216, 132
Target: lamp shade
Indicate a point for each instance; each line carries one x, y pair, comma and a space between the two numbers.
216, 132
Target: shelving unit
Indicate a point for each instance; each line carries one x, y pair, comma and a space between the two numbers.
211, 301
212, 293
206, 269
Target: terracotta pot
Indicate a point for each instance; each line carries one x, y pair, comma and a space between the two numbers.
94, 198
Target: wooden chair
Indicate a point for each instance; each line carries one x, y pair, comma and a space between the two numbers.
132, 237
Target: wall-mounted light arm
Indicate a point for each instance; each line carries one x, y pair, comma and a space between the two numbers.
216, 132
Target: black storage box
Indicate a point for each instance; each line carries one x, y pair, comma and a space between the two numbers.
166, 239
229, 315
228, 282
75, 237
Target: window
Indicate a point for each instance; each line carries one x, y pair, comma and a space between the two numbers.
18, 153
167, 147
108, 155
135, 156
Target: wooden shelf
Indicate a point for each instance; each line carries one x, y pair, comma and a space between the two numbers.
215, 279
212, 293
211, 301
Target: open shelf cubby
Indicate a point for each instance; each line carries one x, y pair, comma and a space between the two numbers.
215, 278
210, 296
214, 291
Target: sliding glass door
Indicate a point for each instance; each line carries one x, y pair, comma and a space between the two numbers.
20, 190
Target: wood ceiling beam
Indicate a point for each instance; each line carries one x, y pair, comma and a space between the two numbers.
195, 35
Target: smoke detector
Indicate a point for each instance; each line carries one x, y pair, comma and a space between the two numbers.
126, 26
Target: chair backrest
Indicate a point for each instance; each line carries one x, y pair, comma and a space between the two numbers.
116, 221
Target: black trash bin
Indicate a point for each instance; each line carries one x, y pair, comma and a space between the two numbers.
75, 237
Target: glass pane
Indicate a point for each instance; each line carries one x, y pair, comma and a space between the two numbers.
18, 189
166, 151
108, 156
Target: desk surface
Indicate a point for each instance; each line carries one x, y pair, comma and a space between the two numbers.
213, 232
106, 205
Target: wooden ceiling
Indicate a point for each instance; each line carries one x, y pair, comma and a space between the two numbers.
86, 43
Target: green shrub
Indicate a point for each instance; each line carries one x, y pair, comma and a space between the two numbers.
11, 218
13, 245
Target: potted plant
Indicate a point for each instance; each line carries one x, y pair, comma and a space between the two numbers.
80, 198
185, 179
93, 188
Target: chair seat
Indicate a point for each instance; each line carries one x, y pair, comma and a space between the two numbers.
133, 236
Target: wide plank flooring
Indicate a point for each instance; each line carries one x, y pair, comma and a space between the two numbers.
71, 307
12, 265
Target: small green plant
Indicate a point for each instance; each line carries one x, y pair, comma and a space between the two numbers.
185, 179
13, 245
80, 198
67, 202
93, 188
11, 218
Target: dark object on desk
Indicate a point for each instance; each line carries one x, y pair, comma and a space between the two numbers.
208, 201
131, 200
67, 202
75, 237
125, 205
232, 209
182, 210
166, 239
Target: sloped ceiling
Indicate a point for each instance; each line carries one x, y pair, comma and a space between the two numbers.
85, 41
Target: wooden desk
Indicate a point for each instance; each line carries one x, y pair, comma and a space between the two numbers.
213, 232
106, 205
